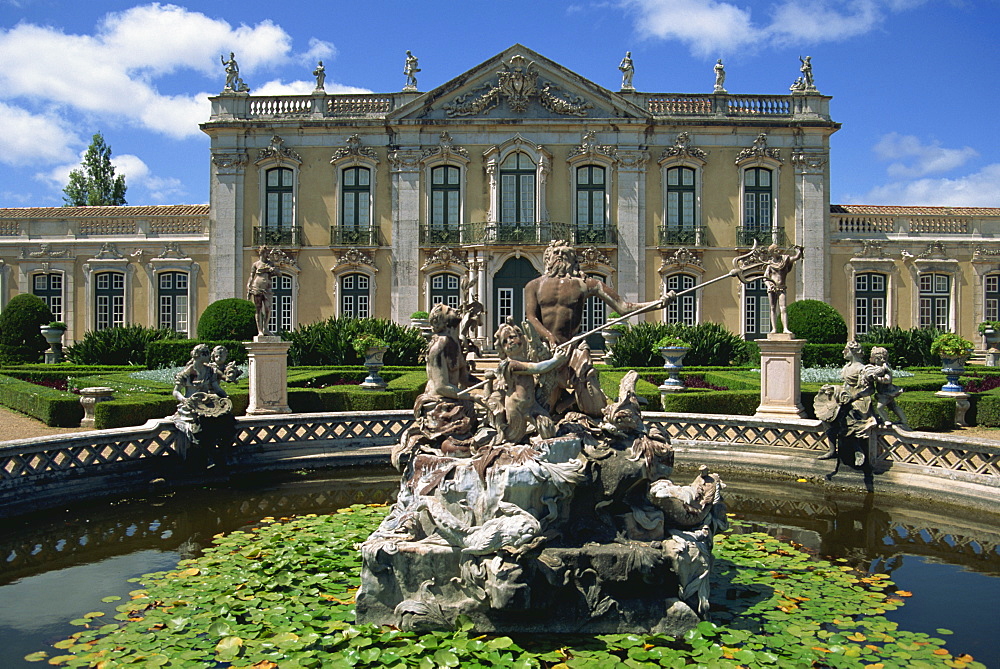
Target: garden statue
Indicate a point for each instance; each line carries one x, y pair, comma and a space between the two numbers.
777, 267
528, 517
320, 74
259, 289
554, 304
204, 410
720, 77
852, 409
410, 69
472, 311
627, 70
225, 372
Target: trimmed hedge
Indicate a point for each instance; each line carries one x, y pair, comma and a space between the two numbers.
816, 322
731, 402
53, 407
177, 352
230, 319
925, 411
987, 409
21, 339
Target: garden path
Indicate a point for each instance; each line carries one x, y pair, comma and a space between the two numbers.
14, 425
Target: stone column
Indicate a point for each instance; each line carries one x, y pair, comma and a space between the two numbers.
780, 364
812, 223
268, 375
631, 224
405, 170
225, 276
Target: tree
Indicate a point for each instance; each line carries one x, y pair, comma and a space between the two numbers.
95, 183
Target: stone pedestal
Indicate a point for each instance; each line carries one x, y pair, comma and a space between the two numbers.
962, 405
780, 364
91, 396
993, 357
268, 375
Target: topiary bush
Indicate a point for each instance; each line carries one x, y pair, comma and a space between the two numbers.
331, 342
230, 319
119, 345
20, 338
711, 345
816, 322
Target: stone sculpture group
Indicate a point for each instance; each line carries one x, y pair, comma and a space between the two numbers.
528, 501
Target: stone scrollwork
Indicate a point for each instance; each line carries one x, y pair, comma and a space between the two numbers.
444, 258
682, 257
277, 151
355, 258
354, 149
45, 251
517, 83
109, 251
682, 149
935, 250
446, 149
230, 162
759, 150
589, 147
593, 258
871, 249
984, 254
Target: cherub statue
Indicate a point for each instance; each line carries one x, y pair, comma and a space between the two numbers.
204, 411
885, 391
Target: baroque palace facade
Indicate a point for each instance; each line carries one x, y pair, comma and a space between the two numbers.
385, 204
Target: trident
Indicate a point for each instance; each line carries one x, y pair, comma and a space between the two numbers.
744, 269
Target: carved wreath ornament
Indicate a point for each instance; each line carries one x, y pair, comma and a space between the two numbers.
517, 83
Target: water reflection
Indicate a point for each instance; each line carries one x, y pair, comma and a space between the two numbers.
58, 565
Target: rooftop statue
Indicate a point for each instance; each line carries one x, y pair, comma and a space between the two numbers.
320, 74
233, 80
410, 69
720, 77
259, 289
627, 70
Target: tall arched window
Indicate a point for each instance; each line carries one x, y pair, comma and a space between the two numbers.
355, 209
445, 204
279, 213
172, 294
590, 199
935, 301
355, 296
756, 310
281, 303
757, 205
680, 213
869, 301
49, 287
109, 299
445, 289
517, 189
685, 308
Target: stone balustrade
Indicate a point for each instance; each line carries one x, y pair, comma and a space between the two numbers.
36, 473
858, 225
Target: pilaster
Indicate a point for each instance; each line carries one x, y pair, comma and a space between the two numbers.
225, 276
631, 223
405, 292
812, 223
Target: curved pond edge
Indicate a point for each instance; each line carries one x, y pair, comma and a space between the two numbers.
36, 474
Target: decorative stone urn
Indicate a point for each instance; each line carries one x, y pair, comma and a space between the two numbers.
373, 363
673, 357
423, 325
952, 367
991, 338
53, 337
610, 338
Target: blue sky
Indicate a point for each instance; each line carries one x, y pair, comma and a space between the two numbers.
915, 83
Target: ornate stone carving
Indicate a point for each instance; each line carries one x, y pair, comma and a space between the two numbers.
592, 258
109, 252
935, 250
809, 162
517, 83
170, 250
277, 151
759, 150
632, 160
44, 251
589, 147
445, 149
354, 258
404, 160
445, 257
682, 149
983, 254
230, 163
680, 258
871, 249
354, 148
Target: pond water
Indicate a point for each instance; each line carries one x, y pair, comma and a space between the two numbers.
58, 565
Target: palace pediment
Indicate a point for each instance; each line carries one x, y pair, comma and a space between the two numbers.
519, 84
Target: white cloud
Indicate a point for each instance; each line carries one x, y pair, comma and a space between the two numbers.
912, 158
34, 138
980, 189
318, 50
710, 27
137, 175
113, 73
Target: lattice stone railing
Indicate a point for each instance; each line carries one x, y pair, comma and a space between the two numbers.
37, 466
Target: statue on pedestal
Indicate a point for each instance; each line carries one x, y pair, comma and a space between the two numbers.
720, 77
777, 266
233, 81
410, 69
320, 74
259, 290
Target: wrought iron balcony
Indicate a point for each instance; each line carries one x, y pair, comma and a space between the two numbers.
354, 236
597, 234
683, 236
764, 237
290, 235
433, 235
